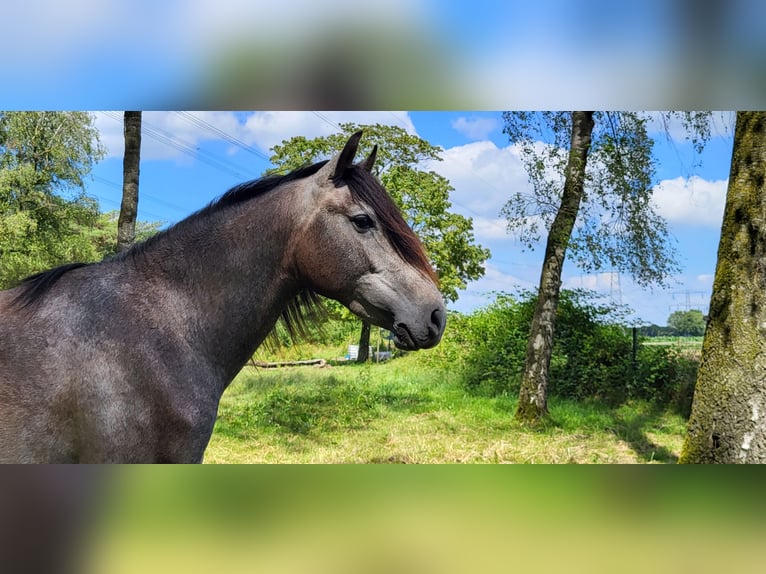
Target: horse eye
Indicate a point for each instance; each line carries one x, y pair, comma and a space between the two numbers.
363, 223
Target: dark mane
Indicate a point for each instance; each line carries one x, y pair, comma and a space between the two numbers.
364, 188
34, 287
250, 189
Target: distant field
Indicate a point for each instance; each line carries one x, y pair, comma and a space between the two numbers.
674, 341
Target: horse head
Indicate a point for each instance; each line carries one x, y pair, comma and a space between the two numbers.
356, 248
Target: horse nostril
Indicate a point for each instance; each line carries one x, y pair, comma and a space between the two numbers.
437, 318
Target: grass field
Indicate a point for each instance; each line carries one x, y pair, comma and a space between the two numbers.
682, 342
405, 412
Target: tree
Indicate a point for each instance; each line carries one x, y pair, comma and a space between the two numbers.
423, 197
688, 323
727, 418
591, 174
103, 233
45, 214
126, 224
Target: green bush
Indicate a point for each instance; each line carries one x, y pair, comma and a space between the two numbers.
666, 375
455, 344
496, 341
592, 355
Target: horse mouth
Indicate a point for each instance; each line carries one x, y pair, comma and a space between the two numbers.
403, 338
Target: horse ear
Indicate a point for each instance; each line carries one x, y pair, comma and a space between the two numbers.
370, 161
341, 162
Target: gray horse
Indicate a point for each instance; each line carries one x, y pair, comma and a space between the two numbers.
127, 359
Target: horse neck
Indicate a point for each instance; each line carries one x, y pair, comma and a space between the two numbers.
230, 270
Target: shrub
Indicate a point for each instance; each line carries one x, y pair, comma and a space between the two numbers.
592, 354
665, 375
496, 344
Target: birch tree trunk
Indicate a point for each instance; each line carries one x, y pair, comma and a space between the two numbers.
126, 223
728, 419
533, 397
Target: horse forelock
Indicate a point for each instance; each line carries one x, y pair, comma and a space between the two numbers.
366, 189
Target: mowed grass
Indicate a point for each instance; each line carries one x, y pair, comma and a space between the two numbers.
679, 342
405, 412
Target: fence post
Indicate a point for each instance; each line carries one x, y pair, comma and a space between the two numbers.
635, 346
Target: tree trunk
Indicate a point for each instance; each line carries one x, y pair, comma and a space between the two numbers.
126, 224
533, 397
728, 419
364, 343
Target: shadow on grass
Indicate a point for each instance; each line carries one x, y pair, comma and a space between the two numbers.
633, 430
630, 422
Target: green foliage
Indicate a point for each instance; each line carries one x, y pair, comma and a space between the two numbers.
593, 359
687, 323
60, 148
45, 217
655, 331
618, 227
665, 375
592, 355
497, 341
422, 196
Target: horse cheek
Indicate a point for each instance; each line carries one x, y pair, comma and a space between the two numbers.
325, 266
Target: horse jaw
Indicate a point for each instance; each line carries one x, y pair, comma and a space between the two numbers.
415, 324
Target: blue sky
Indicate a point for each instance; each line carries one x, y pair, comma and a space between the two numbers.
187, 161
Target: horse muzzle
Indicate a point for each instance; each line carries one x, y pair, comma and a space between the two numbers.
427, 334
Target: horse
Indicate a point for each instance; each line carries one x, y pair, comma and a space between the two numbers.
125, 360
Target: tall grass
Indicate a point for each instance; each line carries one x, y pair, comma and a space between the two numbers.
406, 411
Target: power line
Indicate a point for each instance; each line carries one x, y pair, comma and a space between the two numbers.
328, 121
399, 120
188, 148
688, 296
199, 122
143, 195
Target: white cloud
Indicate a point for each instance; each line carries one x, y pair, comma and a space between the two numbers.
169, 125
693, 201
483, 175
495, 279
266, 129
110, 132
476, 128
490, 228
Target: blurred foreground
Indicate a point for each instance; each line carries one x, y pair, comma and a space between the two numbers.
381, 519
398, 54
